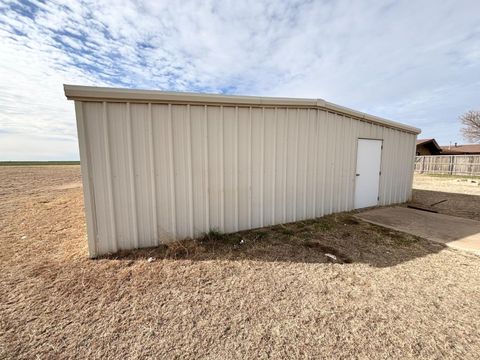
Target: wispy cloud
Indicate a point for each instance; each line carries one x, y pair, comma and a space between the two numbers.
418, 63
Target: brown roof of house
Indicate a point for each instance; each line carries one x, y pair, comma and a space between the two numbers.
426, 141
421, 141
461, 149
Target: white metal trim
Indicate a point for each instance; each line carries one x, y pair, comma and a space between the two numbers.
88, 194
91, 93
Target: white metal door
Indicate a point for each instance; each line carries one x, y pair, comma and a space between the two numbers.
367, 180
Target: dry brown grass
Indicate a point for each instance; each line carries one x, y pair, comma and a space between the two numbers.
450, 184
272, 295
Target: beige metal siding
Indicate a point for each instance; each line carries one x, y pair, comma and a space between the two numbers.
154, 172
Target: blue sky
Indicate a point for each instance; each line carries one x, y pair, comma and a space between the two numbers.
417, 62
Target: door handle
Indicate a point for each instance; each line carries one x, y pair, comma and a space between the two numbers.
357, 174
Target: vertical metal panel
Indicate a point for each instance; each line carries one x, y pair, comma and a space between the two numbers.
301, 161
408, 165
89, 199
321, 141
215, 166
182, 169
339, 165
383, 169
351, 152
257, 167
190, 177
269, 176
158, 172
230, 165
141, 155
151, 170
331, 135
401, 169
388, 178
311, 178
244, 168
291, 165
199, 169
165, 190
97, 135
280, 165
123, 178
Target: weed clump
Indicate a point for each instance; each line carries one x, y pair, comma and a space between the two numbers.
324, 225
213, 235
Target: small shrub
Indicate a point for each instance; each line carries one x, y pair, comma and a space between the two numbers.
300, 225
285, 230
213, 235
260, 234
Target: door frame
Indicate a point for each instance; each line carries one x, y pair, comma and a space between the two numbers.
355, 169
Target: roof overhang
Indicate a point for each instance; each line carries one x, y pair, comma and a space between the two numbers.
90, 93
430, 141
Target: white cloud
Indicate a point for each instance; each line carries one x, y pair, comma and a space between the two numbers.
417, 63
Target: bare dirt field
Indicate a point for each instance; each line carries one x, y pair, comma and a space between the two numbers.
267, 293
462, 194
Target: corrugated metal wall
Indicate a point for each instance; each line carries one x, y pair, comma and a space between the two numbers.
159, 172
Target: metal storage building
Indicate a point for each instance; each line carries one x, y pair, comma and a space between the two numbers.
159, 166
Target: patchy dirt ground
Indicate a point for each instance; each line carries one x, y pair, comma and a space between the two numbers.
268, 293
460, 196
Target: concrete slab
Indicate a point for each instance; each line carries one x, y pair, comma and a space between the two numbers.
455, 232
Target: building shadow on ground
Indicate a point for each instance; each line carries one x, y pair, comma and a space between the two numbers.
454, 204
339, 238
